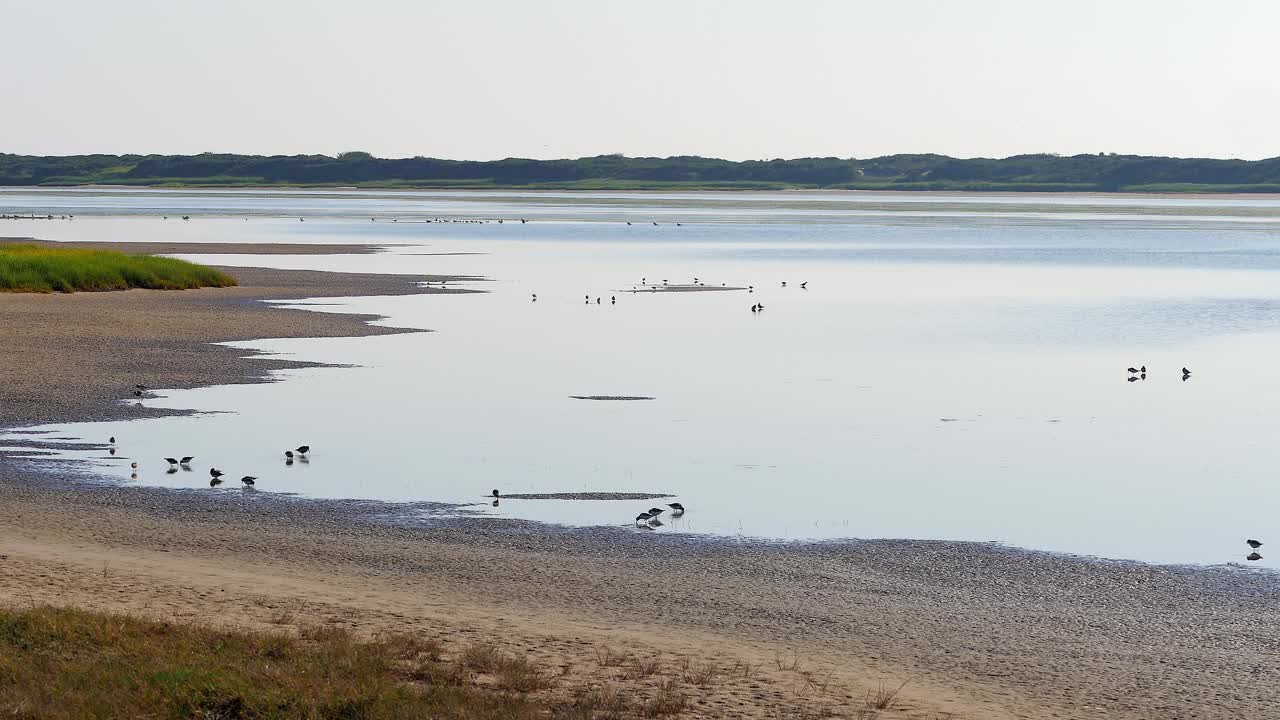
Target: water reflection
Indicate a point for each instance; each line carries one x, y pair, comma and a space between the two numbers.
816, 419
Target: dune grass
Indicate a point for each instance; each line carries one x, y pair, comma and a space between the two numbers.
34, 268
63, 663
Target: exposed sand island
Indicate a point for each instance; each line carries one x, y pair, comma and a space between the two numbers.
741, 629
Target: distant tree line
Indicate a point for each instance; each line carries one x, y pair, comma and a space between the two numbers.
1101, 172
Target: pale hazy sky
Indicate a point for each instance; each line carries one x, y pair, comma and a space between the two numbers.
728, 78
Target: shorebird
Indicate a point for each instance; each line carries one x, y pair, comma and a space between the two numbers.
112, 439
288, 454
676, 509
655, 511
248, 480
137, 393
303, 449
1253, 556
1133, 371
216, 473
133, 465
1255, 544
804, 285
535, 297
628, 222
1133, 378
141, 387
1142, 369
751, 288
784, 283
755, 308
613, 299
186, 460
642, 517
172, 461
495, 493
215, 482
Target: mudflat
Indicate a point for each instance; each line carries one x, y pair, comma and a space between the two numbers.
748, 629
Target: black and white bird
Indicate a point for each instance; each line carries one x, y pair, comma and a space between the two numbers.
1255, 544
676, 509
172, 461
656, 511
186, 460
248, 480
288, 454
303, 449
495, 492
215, 472
643, 518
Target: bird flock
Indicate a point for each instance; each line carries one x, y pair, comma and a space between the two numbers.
649, 519
1140, 373
657, 286
215, 475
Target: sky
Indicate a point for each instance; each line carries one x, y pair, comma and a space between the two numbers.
737, 79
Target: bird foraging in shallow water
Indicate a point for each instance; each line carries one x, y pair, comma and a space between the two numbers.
676, 509
303, 449
215, 472
1255, 544
186, 460
495, 492
113, 440
248, 480
133, 465
643, 517
655, 512
288, 454
171, 461
1253, 556
1133, 371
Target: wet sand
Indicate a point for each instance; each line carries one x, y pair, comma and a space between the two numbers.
978, 630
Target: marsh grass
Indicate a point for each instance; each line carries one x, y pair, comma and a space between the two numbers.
33, 268
884, 697
60, 663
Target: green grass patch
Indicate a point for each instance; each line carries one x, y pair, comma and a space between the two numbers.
36, 268
62, 663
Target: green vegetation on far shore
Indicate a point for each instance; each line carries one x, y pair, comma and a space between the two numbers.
26, 267
1103, 172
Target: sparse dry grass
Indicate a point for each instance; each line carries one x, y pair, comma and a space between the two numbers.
60, 663
884, 697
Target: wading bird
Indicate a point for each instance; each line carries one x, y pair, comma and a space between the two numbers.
303, 449
655, 511
215, 472
171, 461
495, 492
186, 460
248, 480
1255, 544
676, 509
642, 517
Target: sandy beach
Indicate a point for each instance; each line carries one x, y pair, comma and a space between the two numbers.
784, 629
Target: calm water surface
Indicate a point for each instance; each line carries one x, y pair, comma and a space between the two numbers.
954, 370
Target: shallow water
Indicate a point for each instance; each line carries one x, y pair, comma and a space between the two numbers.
952, 372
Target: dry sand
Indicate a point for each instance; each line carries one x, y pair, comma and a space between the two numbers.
977, 630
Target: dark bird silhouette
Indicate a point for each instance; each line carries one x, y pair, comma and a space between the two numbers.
1133, 378
303, 449
141, 387
495, 492
248, 480
1142, 369
186, 460
755, 308
171, 461
1253, 556
804, 285
784, 283
655, 222
1143, 376
133, 465
215, 482
760, 305
628, 222
113, 439
215, 472
1133, 371
655, 511
613, 299
1255, 544
1186, 371
676, 509
289, 454
535, 297
642, 517
137, 393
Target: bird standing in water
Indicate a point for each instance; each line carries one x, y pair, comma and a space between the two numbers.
676, 509
248, 480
